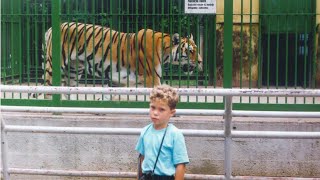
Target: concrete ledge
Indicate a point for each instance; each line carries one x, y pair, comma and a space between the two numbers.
251, 157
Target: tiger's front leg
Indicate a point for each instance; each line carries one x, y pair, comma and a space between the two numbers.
154, 77
152, 81
122, 78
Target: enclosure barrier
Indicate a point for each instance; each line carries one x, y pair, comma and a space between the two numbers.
227, 133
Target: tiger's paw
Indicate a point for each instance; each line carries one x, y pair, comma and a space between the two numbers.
33, 95
38, 95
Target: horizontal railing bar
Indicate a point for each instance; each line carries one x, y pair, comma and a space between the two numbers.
98, 173
133, 174
275, 134
145, 111
106, 131
273, 114
137, 111
186, 132
71, 173
146, 91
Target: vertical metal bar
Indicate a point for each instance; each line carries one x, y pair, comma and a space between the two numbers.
144, 12
28, 41
277, 54
136, 43
20, 63
214, 65
211, 49
171, 32
163, 30
119, 16
227, 37
227, 135
4, 39
268, 53
102, 52
296, 47
128, 41
94, 68
67, 81
305, 52
4, 150
153, 42
259, 51
205, 53
56, 50
250, 51
1, 60
180, 32
36, 44
241, 48
145, 44
287, 57
111, 47
12, 51
188, 74
119, 38
44, 45
199, 39
314, 54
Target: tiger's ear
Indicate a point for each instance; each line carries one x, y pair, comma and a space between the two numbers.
175, 39
190, 37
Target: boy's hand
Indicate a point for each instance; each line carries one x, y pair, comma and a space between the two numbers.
180, 171
140, 160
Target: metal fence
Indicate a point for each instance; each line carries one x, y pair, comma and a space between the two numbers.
228, 134
258, 44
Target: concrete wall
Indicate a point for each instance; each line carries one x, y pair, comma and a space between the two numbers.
251, 157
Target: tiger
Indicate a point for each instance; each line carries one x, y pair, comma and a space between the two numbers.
124, 59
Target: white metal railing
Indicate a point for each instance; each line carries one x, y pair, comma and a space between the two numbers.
145, 91
227, 133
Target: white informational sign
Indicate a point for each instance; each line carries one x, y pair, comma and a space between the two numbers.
200, 6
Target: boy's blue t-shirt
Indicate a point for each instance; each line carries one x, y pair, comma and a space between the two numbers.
173, 150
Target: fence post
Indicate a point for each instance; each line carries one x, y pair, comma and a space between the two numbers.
211, 53
4, 152
227, 136
56, 50
227, 41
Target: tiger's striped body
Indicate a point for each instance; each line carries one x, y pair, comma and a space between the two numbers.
122, 58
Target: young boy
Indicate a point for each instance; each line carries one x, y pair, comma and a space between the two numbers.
169, 162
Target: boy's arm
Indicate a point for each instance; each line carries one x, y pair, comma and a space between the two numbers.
140, 160
180, 171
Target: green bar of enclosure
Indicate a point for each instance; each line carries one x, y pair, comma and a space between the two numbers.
227, 38
12, 35
250, 50
259, 54
56, 50
28, 41
241, 47
20, 62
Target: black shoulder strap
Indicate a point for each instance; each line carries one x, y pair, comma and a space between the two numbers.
155, 164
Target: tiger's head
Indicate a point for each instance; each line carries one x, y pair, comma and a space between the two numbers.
187, 51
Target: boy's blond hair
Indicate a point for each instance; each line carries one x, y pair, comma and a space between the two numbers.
165, 93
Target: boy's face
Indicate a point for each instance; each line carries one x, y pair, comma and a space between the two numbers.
160, 113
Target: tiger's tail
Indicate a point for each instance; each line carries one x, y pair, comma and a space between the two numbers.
45, 65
